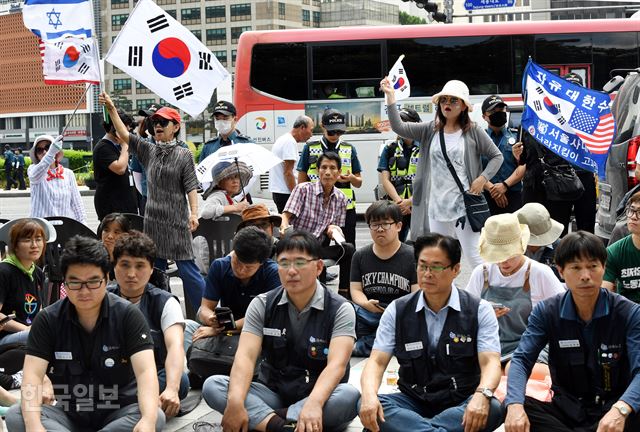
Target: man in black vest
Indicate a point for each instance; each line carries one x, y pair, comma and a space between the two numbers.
97, 350
447, 345
133, 257
305, 333
594, 351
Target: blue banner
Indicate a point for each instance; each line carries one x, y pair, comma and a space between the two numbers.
572, 121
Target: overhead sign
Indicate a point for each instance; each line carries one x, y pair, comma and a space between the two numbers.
487, 4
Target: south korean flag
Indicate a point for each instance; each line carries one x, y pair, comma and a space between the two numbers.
167, 58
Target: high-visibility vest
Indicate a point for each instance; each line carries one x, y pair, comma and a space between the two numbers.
344, 151
402, 179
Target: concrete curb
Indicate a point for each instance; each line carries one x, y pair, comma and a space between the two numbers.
84, 191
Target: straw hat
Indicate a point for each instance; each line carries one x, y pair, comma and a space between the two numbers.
258, 211
454, 88
544, 230
503, 237
225, 169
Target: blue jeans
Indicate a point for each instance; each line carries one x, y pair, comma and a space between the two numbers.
192, 281
13, 338
403, 413
183, 390
261, 401
366, 326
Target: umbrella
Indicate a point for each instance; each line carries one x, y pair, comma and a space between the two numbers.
258, 159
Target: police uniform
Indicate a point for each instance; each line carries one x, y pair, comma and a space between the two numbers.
349, 163
91, 372
504, 140
215, 144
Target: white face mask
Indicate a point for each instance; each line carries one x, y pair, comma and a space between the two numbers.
223, 126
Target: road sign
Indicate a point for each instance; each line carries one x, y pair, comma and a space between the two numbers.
487, 4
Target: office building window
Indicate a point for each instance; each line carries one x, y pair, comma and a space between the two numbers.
144, 103
122, 85
190, 16
237, 31
221, 56
316, 19
217, 36
141, 89
117, 21
282, 10
119, 4
173, 13
241, 12
306, 17
215, 14
197, 33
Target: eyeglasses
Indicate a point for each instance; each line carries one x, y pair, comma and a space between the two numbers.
449, 100
42, 149
635, 212
335, 132
384, 225
433, 268
90, 284
298, 263
163, 122
30, 241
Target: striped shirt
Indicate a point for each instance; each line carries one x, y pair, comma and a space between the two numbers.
55, 197
305, 204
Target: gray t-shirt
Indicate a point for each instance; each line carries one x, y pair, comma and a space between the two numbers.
384, 279
343, 325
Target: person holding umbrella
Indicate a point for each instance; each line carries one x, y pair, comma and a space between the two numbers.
229, 179
171, 175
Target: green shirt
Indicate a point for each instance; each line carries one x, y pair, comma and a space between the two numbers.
623, 266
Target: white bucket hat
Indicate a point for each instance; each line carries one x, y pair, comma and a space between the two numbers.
544, 230
454, 88
49, 229
503, 237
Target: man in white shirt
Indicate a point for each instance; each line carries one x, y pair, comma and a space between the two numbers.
282, 178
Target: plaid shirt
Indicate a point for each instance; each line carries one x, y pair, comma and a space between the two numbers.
305, 204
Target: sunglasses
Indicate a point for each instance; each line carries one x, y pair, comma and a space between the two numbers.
449, 100
335, 132
44, 149
163, 122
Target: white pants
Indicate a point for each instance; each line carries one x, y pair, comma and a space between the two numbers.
468, 239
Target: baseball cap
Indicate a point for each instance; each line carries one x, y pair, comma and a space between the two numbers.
573, 77
333, 119
151, 110
224, 107
168, 113
492, 102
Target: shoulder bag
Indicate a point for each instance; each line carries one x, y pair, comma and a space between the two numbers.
561, 183
475, 205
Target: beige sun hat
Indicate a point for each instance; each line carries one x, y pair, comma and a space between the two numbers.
454, 88
503, 237
544, 230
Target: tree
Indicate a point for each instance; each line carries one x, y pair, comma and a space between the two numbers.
407, 19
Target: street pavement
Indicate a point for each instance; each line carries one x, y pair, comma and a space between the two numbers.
14, 204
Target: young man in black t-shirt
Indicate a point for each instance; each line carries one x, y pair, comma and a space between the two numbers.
380, 272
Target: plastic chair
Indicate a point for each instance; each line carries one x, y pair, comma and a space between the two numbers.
65, 229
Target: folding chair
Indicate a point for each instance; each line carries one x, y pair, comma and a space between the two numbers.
136, 221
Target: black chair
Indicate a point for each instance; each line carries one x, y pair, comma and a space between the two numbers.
136, 221
65, 229
219, 234
3, 245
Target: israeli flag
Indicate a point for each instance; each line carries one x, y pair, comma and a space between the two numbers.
52, 20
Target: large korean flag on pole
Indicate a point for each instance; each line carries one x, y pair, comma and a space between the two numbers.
167, 58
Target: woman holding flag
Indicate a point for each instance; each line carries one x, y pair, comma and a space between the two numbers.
438, 204
170, 176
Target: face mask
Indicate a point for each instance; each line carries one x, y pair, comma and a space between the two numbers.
498, 119
223, 126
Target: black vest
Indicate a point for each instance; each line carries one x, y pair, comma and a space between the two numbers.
597, 376
451, 374
82, 387
291, 368
151, 305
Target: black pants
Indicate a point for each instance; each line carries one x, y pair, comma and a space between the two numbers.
281, 200
18, 178
349, 229
335, 253
8, 176
550, 417
514, 199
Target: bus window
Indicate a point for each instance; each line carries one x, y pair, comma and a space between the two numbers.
280, 70
562, 49
347, 62
484, 63
612, 51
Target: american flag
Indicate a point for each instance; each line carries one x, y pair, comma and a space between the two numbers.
596, 133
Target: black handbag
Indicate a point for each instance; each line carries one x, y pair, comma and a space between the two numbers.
560, 182
476, 206
213, 355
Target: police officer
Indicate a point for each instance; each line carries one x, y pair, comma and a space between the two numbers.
504, 191
594, 351
8, 165
225, 120
97, 351
397, 166
333, 127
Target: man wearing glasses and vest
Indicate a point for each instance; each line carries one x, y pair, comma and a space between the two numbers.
333, 127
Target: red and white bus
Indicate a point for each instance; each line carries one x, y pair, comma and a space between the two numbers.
282, 74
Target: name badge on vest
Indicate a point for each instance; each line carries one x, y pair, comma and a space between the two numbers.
271, 332
413, 346
569, 343
63, 355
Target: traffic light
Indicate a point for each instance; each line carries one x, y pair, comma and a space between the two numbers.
432, 9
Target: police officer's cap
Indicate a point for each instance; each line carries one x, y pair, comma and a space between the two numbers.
332, 119
492, 102
574, 78
410, 115
224, 108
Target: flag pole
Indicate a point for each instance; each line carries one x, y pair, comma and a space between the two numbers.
75, 109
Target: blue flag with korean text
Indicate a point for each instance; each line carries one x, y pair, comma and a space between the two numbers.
572, 121
52, 20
